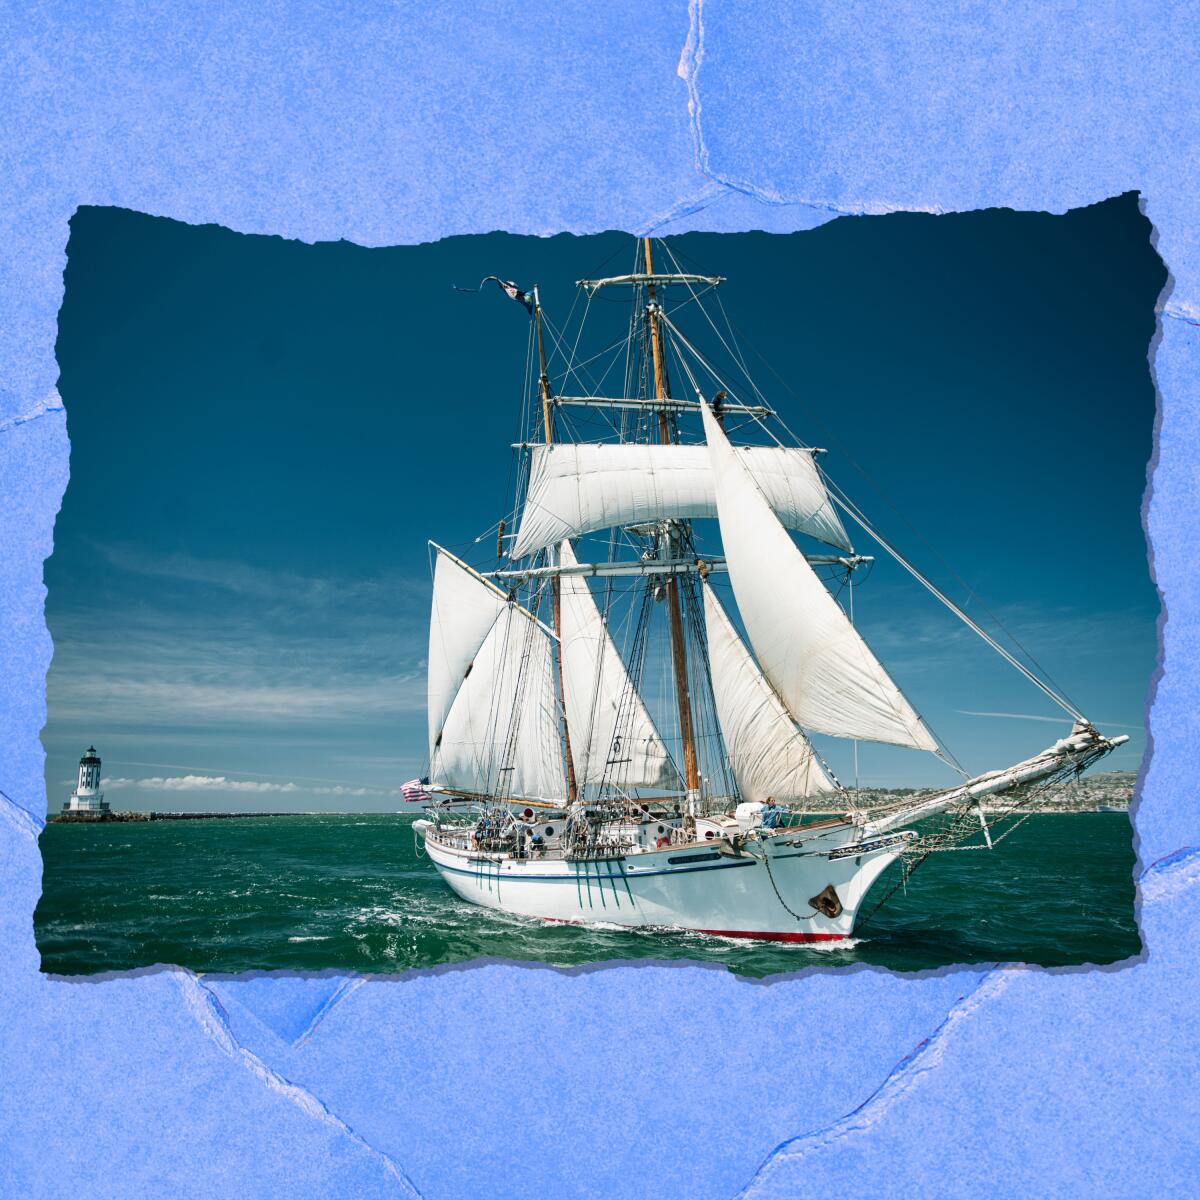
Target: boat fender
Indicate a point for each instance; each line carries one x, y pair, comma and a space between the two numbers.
827, 902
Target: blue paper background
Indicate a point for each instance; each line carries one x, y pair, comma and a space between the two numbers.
395, 123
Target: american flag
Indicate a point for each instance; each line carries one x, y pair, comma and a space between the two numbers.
414, 791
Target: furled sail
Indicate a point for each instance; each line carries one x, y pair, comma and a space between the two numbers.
613, 738
810, 652
578, 488
500, 731
770, 756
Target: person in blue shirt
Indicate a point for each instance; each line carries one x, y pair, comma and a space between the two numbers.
771, 816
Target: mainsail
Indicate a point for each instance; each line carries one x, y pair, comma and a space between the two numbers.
813, 656
770, 756
499, 732
578, 488
613, 739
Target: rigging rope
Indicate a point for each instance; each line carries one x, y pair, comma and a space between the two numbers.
843, 501
852, 510
955, 831
866, 476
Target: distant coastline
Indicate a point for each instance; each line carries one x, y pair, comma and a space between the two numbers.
1108, 791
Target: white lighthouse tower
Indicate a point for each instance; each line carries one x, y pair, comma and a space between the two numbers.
87, 796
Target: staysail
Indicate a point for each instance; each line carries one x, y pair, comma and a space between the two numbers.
464, 610
578, 488
770, 756
613, 738
500, 731
813, 656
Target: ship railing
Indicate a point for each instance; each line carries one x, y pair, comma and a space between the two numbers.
602, 850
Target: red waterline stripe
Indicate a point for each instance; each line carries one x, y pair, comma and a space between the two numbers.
775, 937
732, 933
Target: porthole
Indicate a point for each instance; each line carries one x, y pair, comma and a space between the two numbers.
662, 829
708, 833
549, 830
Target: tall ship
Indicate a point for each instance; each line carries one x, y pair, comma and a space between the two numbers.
622, 702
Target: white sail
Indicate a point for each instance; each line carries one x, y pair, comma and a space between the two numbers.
770, 756
814, 658
613, 738
501, 735
465, 608
578, 488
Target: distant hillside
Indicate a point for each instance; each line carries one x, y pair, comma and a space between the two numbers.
1105, 791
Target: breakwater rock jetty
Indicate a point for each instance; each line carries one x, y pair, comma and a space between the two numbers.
107, 817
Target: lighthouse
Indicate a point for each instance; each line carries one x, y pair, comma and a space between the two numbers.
87, 796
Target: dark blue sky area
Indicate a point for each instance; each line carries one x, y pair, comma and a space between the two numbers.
265, 433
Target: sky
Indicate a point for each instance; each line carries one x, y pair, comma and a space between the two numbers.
265, 434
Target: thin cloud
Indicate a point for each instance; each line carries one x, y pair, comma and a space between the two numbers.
220, 783
156, 668
162, 701
252, 582
191, 767
1055, 635
355, 791
199, 783
966, 712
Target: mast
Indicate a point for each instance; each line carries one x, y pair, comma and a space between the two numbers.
555, 584
662, 392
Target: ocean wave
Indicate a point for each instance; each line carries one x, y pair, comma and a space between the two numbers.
313, 893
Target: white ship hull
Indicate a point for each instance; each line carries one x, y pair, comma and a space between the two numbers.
697, 887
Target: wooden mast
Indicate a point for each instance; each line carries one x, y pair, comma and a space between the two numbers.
555, 583
662, 391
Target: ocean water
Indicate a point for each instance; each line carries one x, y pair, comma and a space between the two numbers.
309, 893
